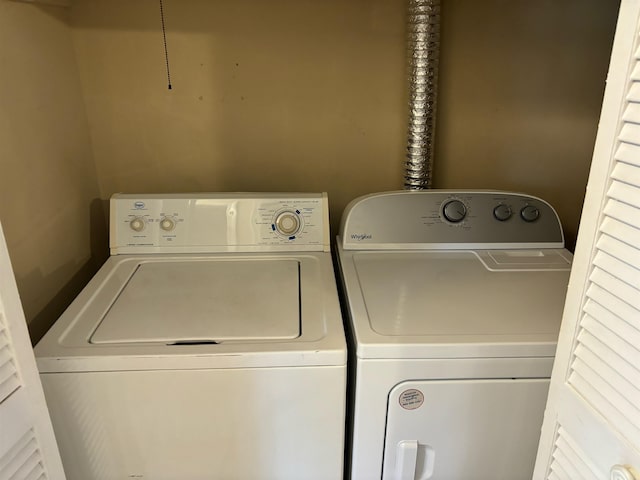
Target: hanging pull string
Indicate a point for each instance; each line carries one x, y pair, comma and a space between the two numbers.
164, 39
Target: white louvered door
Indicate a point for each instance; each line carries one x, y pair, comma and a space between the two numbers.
592, 422
28, 449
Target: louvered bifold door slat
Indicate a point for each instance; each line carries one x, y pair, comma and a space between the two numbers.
23, 461
609, 329
20, 456
628, 153
9, 379
569, 461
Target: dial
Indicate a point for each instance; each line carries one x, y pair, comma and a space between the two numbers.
529, 213
137, 224
167, 224
454, 211
287, 223
502, 212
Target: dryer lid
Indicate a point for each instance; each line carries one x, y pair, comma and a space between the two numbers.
205, 301
454, 294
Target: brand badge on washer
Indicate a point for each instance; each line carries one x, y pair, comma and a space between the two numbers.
411, 399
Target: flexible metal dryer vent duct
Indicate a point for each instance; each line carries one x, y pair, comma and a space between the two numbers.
423, 52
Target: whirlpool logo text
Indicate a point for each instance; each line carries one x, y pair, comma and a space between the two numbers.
361, 236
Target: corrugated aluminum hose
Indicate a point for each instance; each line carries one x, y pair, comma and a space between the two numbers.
423, 56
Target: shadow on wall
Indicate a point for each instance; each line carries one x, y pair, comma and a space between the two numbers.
42, 321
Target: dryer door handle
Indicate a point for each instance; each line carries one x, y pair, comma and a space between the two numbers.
406, 460
413, 461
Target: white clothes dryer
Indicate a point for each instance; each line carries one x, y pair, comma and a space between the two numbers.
209, 346
454, 300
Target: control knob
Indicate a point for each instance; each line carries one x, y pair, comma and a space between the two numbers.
287, 223
454, 211
529, 213
137, 224
502, 212
167, 224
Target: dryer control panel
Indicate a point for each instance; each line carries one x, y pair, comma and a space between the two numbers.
450, 219
219, 222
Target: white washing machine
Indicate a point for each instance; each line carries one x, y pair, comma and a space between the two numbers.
455, 300
209, 346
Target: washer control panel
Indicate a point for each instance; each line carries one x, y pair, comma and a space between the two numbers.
450, 219
217, 222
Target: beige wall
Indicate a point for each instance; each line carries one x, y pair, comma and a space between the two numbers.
283, 95
310, 95
521, 87
47, 177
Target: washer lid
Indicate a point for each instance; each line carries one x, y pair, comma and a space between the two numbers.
212, 301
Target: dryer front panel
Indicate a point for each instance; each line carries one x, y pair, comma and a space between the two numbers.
463, 429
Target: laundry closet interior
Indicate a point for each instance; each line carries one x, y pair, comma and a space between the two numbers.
278, 96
